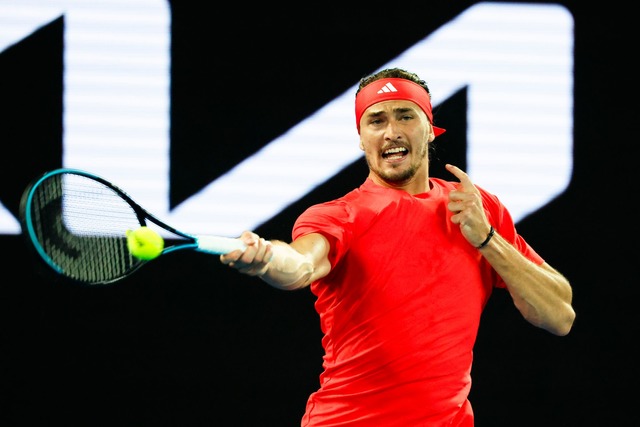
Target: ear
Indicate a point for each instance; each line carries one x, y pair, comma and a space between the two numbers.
432, 135
361, 145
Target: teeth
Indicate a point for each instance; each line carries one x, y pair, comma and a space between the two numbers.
395, 150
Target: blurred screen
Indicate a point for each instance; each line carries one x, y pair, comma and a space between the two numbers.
515, 60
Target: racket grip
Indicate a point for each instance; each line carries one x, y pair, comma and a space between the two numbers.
219, 245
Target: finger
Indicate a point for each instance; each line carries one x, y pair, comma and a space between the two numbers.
255, 254
260, 250
249, 238
464, 179
231, 257
455, 206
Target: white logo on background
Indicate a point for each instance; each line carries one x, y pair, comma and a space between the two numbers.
388, 88
516, 61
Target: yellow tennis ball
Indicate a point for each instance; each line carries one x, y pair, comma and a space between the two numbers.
144, 243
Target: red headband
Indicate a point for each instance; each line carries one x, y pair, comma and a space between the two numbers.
390, 89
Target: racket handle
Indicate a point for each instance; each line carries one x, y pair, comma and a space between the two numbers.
219, 245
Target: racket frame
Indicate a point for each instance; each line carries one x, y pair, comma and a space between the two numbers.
208, 244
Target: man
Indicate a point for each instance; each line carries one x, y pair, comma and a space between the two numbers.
402, 268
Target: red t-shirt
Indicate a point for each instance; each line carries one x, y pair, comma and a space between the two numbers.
400, 308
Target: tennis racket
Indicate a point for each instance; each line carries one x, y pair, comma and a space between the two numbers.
78, 224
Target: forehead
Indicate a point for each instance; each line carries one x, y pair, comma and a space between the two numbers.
391, 106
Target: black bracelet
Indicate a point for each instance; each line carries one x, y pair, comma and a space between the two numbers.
486, 241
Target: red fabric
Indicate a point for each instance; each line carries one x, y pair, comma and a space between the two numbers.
390, 89
400, 308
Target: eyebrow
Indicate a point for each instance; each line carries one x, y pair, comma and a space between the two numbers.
398, 110
403, 109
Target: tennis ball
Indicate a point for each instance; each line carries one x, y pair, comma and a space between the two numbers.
144, 243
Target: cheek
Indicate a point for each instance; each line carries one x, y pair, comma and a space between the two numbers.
424, 135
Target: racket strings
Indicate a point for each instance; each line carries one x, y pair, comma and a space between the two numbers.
81, 225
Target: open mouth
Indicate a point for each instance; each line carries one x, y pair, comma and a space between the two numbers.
394, 153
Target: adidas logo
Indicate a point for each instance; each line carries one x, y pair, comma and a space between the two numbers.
388, 88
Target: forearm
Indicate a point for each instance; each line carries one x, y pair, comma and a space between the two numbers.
288, 269
540, 293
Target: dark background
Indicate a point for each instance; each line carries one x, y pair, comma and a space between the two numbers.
188, 342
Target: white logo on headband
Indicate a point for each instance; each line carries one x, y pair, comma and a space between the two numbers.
388, 88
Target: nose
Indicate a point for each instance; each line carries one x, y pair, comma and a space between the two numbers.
392, 131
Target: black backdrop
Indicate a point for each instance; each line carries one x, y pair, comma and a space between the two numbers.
187, 342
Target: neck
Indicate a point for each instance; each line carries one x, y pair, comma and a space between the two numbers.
417, 184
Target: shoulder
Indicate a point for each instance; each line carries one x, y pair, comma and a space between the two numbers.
489, 199
339, 206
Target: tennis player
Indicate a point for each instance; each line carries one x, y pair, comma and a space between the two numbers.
402, 268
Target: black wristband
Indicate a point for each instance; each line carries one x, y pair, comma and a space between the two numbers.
486, 241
